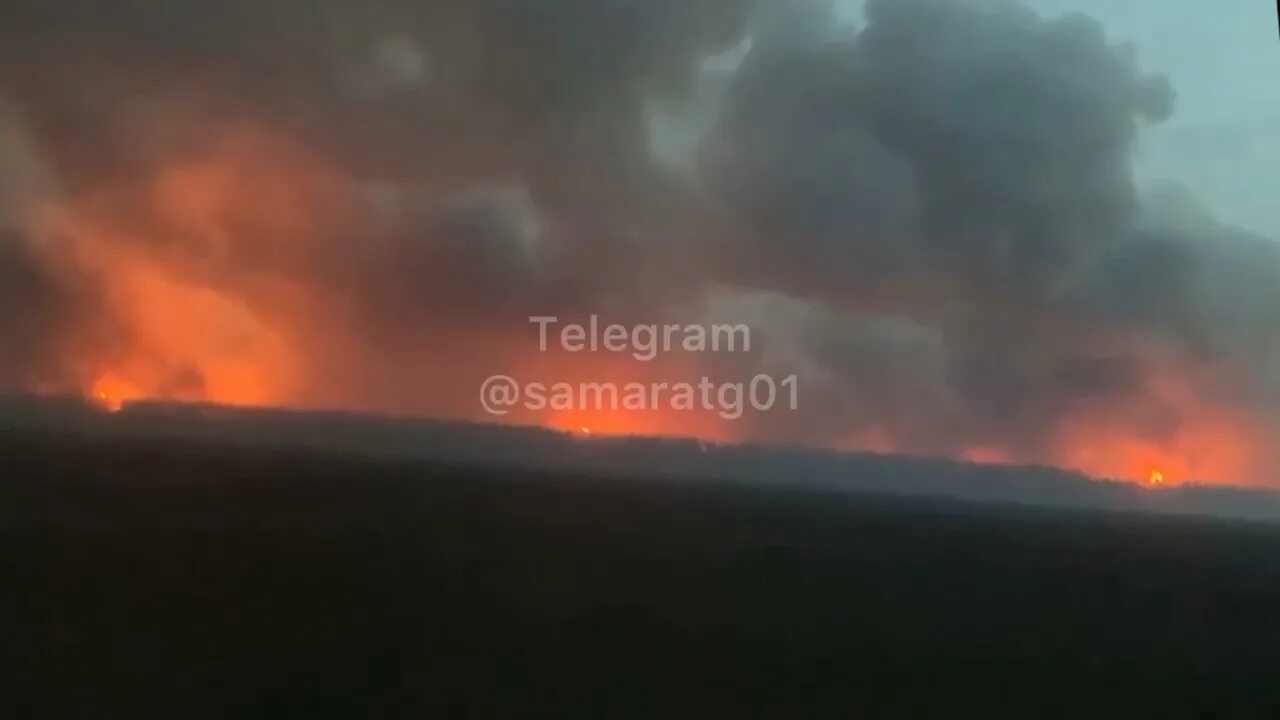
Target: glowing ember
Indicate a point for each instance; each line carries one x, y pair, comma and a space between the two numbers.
112, 393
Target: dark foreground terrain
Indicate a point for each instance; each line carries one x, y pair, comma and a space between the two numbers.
206, 581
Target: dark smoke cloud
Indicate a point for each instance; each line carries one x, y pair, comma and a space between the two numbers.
967, 166
1207, 286
961, 172
971, 139
28, 308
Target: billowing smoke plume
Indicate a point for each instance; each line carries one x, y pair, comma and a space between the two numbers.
954, 181
931, 219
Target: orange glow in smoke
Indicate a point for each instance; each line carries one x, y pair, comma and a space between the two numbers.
603, 422
194, 343
183, 322
188, 323
1193, 439
112, 393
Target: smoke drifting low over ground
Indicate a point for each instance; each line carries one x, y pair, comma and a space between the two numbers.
931, 218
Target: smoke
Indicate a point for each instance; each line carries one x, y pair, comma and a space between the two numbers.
30, 299
931, 219
960, 172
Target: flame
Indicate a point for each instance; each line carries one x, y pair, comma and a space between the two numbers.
195, 343
113, 393
1194, 436
182, 319
1155, 478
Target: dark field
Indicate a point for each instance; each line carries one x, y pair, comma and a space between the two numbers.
207, 581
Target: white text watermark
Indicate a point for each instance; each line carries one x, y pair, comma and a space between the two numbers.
501, 394
643, 342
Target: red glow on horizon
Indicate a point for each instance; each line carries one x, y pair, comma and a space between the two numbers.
112, 393
203, 330
1206, 441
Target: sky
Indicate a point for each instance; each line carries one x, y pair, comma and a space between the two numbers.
1223, 59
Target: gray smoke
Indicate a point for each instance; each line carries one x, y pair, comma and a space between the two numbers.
961, 171
933, 217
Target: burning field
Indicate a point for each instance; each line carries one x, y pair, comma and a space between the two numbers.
932, 220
